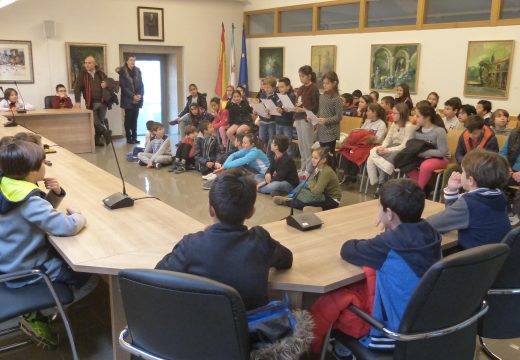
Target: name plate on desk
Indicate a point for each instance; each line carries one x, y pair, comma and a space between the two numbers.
304, 222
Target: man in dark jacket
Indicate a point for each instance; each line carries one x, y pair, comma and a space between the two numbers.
132, 91
228, 251
91, 82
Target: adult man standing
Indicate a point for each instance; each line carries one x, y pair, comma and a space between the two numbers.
91, 82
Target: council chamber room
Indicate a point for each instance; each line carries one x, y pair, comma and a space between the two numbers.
245, 179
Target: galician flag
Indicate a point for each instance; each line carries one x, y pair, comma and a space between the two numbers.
220, 87
232, 65
242, 77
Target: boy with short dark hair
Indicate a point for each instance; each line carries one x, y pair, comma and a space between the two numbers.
451, 109
158, 151
61, 100
228, 251
464, 113
484, 111
349, 107
27, 215
388, 103
356, 94
282, 177
185, 154
401, 254
480, 214
206, 148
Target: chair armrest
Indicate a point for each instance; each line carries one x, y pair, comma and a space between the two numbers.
21, 274
504, 292
127, 346
420, 336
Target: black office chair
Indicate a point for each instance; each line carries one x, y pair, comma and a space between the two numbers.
440, 321
502, 320
180, 316
38, 296
47, 101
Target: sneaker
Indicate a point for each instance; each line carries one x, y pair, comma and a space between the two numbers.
38, 328
180, 169
207, 185
210, 176
281, 200
173, 122
142, 163
135, 141
173, 167
157, 165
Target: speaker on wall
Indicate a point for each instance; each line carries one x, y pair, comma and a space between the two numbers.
49, 28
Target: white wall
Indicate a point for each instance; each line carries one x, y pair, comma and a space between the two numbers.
442, 59
193, 24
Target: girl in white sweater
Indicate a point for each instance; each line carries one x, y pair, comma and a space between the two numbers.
380, 162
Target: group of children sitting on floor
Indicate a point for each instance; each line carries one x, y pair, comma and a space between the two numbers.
408, 246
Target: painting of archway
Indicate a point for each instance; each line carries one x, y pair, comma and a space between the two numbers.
394, 64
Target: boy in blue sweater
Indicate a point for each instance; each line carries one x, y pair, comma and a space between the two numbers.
406, 249
228, 251
480, 214
27, 215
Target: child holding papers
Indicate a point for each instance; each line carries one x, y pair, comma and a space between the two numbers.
287, 98
267, 128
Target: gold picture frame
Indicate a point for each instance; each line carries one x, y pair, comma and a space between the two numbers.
323, 60
76, 54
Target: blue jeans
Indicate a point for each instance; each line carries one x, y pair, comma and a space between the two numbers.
286, 131
266, 134
278, 186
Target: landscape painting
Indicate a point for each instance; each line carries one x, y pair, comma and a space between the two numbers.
271, 62
323, 60
76, 54
16, 62
394, 64
488, 69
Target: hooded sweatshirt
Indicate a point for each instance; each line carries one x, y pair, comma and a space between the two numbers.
27, 215
253, 157
401, 257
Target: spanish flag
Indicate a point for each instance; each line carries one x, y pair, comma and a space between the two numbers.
220, 87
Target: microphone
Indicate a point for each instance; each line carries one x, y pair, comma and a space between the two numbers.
304, 221
20, 111
117, 200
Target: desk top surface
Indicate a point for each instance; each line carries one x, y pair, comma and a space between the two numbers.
38, 112
138, 237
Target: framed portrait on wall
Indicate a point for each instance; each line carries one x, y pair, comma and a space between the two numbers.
394, 64
150, 23
16, 62
488, 68
76, 54
271, 61
323, 60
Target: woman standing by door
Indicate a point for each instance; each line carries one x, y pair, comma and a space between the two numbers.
132, 91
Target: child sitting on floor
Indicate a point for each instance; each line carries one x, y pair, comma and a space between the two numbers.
322, 189
281, 177
185, 155
206, 148
240, 257
158, 151
480, 214
401, 255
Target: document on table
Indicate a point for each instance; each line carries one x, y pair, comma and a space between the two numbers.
286, 102
260, 110
312, 117
270, 105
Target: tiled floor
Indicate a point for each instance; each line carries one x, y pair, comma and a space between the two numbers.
91, 317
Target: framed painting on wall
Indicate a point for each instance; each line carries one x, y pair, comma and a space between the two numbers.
271, 60
16, 63
394, 64
76, 54
150, 23
488, 68
323, 60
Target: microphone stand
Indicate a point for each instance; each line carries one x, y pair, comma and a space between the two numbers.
21, 111
117, 200
301, 188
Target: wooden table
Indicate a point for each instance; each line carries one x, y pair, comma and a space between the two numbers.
317, 265
72, 129
140, 236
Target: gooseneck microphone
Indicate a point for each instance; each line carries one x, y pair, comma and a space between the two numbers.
117, 200
20, 111
304, 221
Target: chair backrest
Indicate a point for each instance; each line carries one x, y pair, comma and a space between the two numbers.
180, 316
452, 139
451, 291
47, 101
349, 123
502, 320
513, 122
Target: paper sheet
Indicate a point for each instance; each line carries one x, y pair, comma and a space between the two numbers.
312, 117
270, 105
286, 102
260, 110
